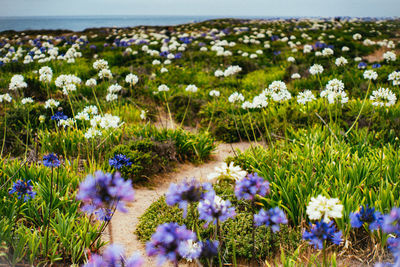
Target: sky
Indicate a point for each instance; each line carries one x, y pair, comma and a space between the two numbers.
223, 8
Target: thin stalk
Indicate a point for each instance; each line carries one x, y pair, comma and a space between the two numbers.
362, 106
212, 116
251, 125
97, 101
253, 229
50, 207
27, 135
169, 111
220, 243
72, 109
266, 128
5, 130
186, 110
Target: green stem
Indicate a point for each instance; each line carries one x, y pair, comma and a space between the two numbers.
169, 111
48, 216
5, 130
362, 106
97, 101
27, 135
252, 128
266, 128
186, 110
212, 116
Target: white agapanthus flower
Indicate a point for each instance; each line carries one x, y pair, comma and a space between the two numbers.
105, 74
191, 88
383, 97
334, 92
232, 70
305, 97
218, 73
395, 77
91, 82
111, 97
92, 110
92, 133
143, 114
17, 82
370, 75
114, 88
215, 93
316, 69
45, 74
65, 80
260, 101
327, 52
323, 207
227, 171
291, 59
389, 56
42, 118
66, 123
109, 121
163, 88
131, 79
341, 61
100, 64
5, 98
51, 103
27, 100
163, 70
83, 116
295, 76
236, 97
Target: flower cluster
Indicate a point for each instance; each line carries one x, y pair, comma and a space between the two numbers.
248, 187
273, 218
23, 189
323, 207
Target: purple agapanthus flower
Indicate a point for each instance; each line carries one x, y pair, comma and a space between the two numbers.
23, 189
391, 222
322, 231
248, 187
209, 249
119, 161
368, 216
51, 160
114, 256
213, 208
59, 116
167, 241
103, 214
271, 218
105, 190
190, 249
185, 193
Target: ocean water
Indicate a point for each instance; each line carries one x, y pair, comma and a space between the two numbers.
79, 23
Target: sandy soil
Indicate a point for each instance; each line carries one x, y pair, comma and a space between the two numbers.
124, 224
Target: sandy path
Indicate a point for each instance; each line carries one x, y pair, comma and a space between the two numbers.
124, 224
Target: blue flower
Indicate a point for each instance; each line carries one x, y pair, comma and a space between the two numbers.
114, 256
103, 214
376, 66
167, 241
23, 189
185, 193
322, 231
59, 116
119, 161
213, 208
391, 222
209, 249
271, 218
368, 216
250, 186
51, 160
362, 65
105, 191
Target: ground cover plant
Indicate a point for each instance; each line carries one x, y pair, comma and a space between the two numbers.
89, 117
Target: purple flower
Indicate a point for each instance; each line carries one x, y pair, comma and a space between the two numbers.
105, 190
23, 189
209, 249
114, 256
51, 160
167, 241
322, 231
185, 193
190, 249
103, 214
119, 161
213, 208
250, 186
368, 216
391, 221
271, 218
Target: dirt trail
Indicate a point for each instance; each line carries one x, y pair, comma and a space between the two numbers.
124, 224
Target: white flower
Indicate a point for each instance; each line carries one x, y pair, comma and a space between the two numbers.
163, 70
91, 82
92, 110
111, 97
236, 97
92, 133
42, 118
277, 86
218, 73
335, 85
114, 88
389, 56
232, 70
316, 69
105, 73
326, 208
5, 97
341, 61
291, 59
260, 101
17, 82
395, 77
327, 52
304, 97
247, 105
227, 171
51, 103
156, 62
345, 49
370, 75
215, 93
163, 88
295, 76
83, 116
65, 80
46, 74
109, 121
191, 88
357, 36
143, 114
66, 123
383, 97
100, 64
27, 100
131, 79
